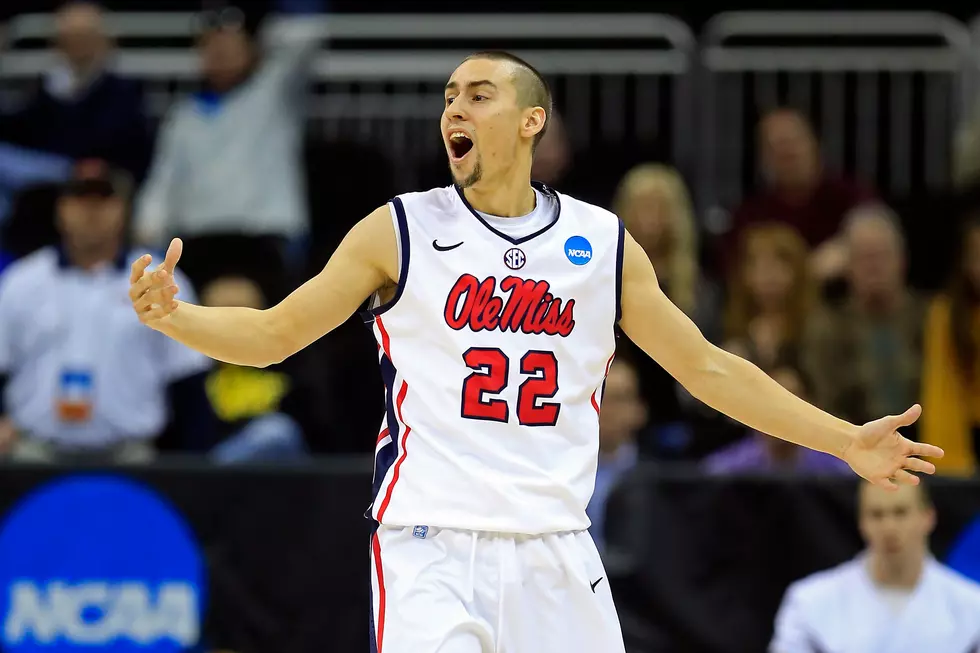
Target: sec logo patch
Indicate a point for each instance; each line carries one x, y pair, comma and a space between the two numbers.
514, 258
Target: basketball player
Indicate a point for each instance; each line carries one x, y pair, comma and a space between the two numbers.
495, 303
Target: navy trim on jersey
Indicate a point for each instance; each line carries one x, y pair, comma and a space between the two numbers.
514, 241
383, 462
371, 313
619, 271
388, 454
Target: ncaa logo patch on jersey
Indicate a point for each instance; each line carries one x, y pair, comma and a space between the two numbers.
420, 532
578, 250
514, 258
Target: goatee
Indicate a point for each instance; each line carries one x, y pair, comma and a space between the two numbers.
473, 177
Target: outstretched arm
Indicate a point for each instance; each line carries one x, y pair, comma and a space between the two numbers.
742, 391
364, 262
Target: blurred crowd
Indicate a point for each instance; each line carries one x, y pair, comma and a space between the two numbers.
811, 281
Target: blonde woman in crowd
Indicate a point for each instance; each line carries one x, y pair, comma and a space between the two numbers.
951, 363
771, 293
655, 205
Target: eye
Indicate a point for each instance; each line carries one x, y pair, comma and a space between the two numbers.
449, 100
479, 98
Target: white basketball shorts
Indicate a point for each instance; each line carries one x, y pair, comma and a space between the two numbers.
447, 591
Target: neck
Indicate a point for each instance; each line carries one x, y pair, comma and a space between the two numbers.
87, 258
773, 315
898, 573
800, 190
510, 196
881, 304
84, 71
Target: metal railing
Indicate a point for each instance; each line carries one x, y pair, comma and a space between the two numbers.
393, 95
901, 96
903, 93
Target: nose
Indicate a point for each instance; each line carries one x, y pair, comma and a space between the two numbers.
455, 111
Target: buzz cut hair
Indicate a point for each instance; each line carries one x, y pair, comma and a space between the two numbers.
532, 88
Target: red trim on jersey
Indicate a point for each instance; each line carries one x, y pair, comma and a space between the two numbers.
385, 341
382, 435
380, 625
401, 459
595, 404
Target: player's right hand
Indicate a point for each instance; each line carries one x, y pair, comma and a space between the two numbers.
153, 291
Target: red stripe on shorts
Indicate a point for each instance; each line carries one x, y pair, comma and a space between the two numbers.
380, 625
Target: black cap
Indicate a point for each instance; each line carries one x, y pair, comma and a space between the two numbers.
95, 177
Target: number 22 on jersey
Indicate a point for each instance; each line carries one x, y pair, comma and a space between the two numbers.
491, 373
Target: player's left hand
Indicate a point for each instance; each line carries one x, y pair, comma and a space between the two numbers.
880, 454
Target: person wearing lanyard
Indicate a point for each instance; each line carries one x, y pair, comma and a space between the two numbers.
81, 379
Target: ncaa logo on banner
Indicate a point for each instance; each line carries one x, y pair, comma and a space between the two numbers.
514, 258
98, 563
578, 250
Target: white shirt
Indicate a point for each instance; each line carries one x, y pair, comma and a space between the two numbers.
493, 351
69, 337
841, 610
234, 164
545, 212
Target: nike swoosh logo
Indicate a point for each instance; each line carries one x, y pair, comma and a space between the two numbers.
596, 583
445, 248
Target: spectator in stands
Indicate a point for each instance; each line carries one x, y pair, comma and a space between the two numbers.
966, 152
623, 415
227, 174
23, 169
758, 452
655, 205
893, 597
800, 191
82, 379
771, 296
553, 154
82, 109
865, 356
951, 364
259, 410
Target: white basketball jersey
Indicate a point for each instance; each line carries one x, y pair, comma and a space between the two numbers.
494, 351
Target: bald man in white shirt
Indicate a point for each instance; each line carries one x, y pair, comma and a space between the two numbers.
895, 597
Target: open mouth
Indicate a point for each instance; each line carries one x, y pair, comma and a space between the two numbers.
459, 146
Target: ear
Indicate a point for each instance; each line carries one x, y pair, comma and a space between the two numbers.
930, 520
534, 120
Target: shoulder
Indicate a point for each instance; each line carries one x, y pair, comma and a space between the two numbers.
441, 198
572, 204
824, 588
738, 456
960, 589
33, 269
181, 110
